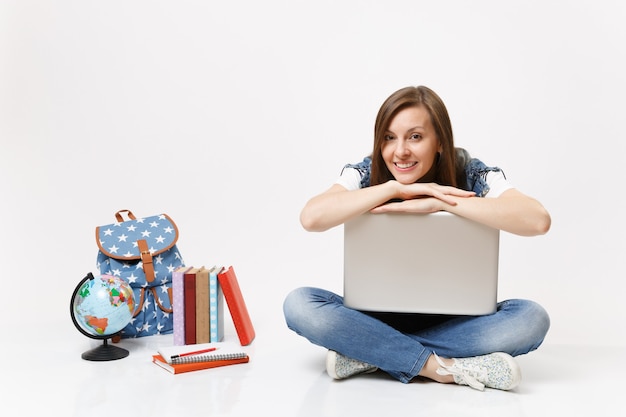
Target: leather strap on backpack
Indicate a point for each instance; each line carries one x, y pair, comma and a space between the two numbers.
120, 218
156, 300
146, 260
139, 304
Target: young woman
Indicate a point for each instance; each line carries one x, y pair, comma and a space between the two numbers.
415, 167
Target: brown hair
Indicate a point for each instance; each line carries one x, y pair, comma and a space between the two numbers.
446, 171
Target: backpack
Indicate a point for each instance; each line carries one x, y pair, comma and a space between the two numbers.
143, 252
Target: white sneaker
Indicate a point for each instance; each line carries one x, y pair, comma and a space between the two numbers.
340, 367
495, 370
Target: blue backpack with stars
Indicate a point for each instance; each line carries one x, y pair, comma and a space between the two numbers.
143, 252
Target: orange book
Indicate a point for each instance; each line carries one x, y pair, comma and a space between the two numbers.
236, 305
180, 368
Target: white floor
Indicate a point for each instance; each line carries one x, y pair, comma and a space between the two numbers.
286, 377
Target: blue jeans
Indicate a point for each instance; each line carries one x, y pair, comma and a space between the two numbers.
400, 344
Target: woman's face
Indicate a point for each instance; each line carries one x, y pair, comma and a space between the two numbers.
410, 146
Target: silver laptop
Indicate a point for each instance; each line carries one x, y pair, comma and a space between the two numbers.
435, 263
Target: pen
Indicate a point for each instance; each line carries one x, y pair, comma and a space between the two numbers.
197, 352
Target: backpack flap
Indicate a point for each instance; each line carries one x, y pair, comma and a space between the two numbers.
138, 240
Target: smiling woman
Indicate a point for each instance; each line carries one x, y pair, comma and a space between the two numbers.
418, 116
411, 149
414, 167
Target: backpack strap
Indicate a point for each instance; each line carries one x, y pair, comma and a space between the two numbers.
120, 218
146, 260
156, 300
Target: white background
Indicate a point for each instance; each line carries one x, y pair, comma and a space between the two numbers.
228, 116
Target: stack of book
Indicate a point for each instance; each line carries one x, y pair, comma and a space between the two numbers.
199, 294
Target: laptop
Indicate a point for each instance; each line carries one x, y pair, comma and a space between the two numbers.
437, 263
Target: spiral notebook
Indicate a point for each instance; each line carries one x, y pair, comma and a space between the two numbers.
181, 368
202, 352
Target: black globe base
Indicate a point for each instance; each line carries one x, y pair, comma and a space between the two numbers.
105, 352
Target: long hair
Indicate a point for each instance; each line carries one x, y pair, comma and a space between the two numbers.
446, 171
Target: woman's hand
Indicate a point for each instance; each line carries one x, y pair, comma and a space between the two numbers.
337, 205
441, 192
423, 198
416, 205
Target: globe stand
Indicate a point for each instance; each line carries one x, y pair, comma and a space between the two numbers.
105, 352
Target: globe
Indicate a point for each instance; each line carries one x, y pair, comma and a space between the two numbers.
100, 307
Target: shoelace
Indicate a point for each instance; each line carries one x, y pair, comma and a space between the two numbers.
471, 380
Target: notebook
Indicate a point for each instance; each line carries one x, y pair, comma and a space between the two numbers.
201, 352
181, 368
435, 263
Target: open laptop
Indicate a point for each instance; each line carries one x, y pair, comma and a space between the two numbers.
435, 263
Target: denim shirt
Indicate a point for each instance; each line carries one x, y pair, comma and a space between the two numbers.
475, 172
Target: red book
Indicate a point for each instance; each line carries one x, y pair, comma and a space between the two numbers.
236, 305
189, 280
194, 366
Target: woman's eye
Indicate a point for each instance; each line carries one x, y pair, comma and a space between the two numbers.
416, 136
389, 137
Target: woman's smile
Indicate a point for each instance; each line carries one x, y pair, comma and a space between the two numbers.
405, 165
